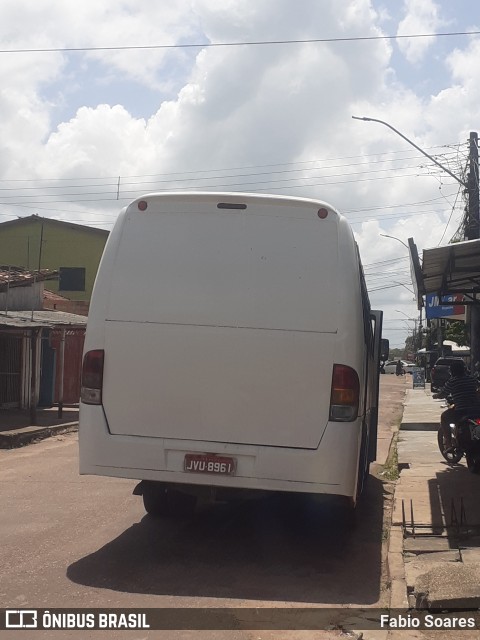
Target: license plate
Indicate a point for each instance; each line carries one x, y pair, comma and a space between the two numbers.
207, 463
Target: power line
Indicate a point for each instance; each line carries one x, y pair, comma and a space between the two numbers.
396, 206
123, 183
390, 286
375, 264
114, 195
455, 148
106, 188
272, 180
396, 273
450, 217
251, 43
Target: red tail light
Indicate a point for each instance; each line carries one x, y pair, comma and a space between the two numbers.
345, 394
92, 377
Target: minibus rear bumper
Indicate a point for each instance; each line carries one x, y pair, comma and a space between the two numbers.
329, 469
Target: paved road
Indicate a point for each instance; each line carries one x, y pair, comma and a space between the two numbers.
71, 541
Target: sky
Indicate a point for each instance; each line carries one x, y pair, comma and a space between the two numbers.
103, 101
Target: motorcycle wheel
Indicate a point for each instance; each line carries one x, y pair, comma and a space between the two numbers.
473, 463
454, 455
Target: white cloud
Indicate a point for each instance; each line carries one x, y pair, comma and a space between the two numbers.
57, 23
463, 64
422, 16
104, 141
284, 111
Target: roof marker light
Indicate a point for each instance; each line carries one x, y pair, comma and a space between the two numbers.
142, 205
322, 213
231, 205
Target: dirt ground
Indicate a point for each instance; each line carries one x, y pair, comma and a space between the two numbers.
392, 395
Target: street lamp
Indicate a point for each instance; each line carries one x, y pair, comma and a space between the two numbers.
400, 284
410, 319
394, 238
398, 311
450, 173
417, 335
473, 208
385, 235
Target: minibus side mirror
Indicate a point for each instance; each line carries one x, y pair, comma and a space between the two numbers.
384, 350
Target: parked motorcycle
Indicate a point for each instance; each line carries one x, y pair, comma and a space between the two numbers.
465, 435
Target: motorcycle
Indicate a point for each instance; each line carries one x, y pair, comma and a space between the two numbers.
465, 441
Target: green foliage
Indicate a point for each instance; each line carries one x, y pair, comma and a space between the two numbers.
457, 331
390, 469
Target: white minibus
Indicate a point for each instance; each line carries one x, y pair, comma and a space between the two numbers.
230, 349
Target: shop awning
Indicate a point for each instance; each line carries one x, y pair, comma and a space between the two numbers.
454, 268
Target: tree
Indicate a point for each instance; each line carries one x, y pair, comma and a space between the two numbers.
457, 332
410, 347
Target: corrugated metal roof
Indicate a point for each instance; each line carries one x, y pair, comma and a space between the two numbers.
25, 320
452, 269
51, 295
53, 221
19, 277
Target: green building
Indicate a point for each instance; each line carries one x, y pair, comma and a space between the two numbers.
44, 243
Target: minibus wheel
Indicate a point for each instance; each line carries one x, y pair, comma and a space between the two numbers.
155, 499
346, 513
363, 464
161, 501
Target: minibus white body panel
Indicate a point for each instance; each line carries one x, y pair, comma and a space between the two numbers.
221, 317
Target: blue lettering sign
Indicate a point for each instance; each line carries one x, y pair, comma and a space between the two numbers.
436, 310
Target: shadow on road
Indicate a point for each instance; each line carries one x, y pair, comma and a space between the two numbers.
278, 549
450, 491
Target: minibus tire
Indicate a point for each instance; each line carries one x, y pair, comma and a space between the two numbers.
180, 504
155, 500
346, 513
162, 502
363, 466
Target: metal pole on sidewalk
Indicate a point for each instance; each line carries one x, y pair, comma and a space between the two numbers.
62, 371
34, 333
472, 232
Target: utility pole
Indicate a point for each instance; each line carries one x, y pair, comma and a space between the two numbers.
472, 227
472, 233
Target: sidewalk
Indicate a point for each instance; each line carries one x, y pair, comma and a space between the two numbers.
16, 430
434, 553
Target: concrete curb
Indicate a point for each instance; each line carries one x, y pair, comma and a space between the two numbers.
20, 437
395, 565
396, 569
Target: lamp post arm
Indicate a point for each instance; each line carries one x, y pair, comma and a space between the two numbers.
404, 286
384, 235
464, 184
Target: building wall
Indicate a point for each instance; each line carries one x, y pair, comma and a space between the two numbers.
22, 298
79, 307
62, 245
72, 367
11, 379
